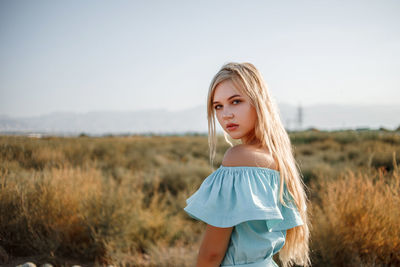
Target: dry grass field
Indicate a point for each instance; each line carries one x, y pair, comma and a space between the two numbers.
119, 200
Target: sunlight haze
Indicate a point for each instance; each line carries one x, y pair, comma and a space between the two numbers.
82, 56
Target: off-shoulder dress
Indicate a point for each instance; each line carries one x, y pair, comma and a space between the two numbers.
246, 198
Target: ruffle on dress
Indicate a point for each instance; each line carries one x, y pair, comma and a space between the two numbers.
232, 195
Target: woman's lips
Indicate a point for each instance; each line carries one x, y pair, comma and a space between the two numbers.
232, 127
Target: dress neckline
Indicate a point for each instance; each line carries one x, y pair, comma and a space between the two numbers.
248, 167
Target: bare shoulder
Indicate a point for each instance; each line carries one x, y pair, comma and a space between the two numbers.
246, 155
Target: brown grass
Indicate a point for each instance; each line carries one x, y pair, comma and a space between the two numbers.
77, 212
357, 221
120, 200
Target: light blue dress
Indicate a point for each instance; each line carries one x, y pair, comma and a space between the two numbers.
247, 198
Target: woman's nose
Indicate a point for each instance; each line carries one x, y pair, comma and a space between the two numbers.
228, 114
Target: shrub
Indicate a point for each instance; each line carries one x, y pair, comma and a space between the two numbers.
357, 221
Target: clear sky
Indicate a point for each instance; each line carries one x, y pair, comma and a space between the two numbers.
85, 56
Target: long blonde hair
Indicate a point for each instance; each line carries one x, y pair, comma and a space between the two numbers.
271, 134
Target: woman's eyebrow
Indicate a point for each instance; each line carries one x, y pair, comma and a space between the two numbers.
228, 98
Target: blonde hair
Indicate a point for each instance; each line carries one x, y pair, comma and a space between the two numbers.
271, 134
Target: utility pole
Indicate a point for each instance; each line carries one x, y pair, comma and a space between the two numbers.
299, 117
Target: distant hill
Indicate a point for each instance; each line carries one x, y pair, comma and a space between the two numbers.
162, 121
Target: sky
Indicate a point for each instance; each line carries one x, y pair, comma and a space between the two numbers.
82, 56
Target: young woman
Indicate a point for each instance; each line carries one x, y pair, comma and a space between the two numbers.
254, 204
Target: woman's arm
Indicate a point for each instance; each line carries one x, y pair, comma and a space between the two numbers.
214, 245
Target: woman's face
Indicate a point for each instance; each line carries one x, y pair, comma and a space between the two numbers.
232, 107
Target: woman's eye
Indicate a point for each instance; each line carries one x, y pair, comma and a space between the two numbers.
236, 100
217, 106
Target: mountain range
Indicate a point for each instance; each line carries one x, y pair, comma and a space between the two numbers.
194, 120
